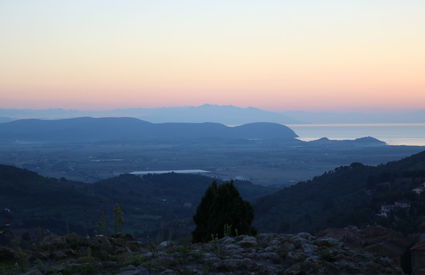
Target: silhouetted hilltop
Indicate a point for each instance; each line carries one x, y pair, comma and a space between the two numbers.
87, 129
20, 188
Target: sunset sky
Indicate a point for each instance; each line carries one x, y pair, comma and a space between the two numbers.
277, 55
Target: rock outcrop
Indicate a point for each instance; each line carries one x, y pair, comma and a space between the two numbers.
300, 253
374, 239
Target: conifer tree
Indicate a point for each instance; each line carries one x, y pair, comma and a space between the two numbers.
102, 223
222, 212
119, 218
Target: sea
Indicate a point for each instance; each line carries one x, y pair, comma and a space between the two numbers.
391, 133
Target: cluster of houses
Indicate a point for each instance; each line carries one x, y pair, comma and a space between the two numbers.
5, 220
418, 190
386, 209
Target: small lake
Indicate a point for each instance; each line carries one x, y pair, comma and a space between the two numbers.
190, 171
392, 133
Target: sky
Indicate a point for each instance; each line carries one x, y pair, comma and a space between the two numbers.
271, 54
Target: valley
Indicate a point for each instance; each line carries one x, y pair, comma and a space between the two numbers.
277, 158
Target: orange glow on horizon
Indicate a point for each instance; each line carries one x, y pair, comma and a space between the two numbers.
274, 55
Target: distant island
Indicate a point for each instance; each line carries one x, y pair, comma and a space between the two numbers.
364, 141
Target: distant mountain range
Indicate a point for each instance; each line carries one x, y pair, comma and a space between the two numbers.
226, 114
88, 129
229, 115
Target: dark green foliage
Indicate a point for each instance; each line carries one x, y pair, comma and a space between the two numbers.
222, 212
348, 195
154, 205
102, 224
119, 218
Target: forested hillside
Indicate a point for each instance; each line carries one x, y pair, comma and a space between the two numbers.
391, 195
150, 204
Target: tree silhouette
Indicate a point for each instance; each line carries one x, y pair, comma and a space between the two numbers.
102, 223
222, 212
119, 218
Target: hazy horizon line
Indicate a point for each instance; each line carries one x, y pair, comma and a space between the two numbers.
309, 110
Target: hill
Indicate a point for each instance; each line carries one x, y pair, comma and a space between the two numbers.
391, 195
88, 129
362, 142
150, 203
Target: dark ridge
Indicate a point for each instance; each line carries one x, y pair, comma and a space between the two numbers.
348, 195
149, 202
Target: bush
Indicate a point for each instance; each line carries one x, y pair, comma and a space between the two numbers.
222, 212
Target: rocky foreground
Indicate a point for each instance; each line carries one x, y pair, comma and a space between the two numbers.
264, 254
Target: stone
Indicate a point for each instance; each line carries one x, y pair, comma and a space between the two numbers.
305, 235
168, 272
232, 246
148, 255
267, 254
58, 254
165, 244
137, 271
34, 271
109, 263
248, 241
227, 240
326, 242
7, 254
129, 267
271, 248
